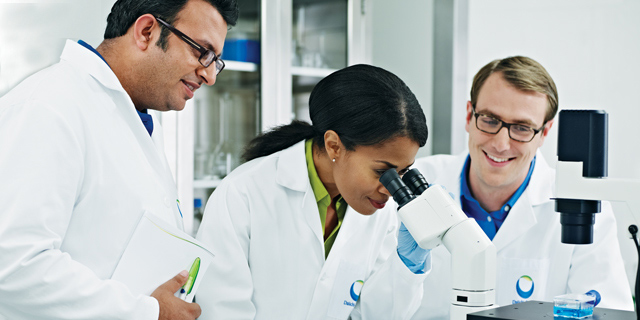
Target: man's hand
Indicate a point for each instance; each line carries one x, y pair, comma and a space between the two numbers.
172, 307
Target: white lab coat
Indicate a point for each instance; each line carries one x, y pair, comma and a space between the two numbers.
264, 227
77, 171
528, 243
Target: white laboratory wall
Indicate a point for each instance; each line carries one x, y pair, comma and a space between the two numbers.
33, 33
591, 49
403, 44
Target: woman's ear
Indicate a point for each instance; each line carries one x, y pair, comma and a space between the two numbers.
333, 145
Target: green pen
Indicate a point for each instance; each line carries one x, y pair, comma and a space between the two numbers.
193, 273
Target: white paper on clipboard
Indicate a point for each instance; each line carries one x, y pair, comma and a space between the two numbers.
156, 253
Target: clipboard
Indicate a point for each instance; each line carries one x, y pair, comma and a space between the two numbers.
156, 253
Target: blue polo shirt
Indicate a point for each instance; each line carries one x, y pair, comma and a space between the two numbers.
490, 222
146, 118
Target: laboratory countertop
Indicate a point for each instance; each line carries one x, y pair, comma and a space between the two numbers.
538, 310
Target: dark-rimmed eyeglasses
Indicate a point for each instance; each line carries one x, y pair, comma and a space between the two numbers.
207, 57
517, 132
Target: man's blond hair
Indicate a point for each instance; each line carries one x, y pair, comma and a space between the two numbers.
524, 74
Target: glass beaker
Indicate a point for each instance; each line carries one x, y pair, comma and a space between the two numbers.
220, 162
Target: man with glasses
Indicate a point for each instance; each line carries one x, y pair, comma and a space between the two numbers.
82, 160
505, 184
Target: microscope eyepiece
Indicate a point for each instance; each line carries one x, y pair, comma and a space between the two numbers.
396, 187
415, 181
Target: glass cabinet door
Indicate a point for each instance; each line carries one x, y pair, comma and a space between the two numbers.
319, 47
227, 114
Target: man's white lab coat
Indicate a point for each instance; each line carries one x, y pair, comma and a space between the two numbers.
77, 171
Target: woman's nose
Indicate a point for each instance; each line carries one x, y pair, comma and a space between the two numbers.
383, 190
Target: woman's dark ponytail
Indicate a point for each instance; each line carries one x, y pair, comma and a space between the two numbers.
277, 139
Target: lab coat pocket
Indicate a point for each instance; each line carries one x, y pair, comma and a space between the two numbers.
521, 280
346, 290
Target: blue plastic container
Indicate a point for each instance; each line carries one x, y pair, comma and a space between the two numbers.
573, 306
244, 50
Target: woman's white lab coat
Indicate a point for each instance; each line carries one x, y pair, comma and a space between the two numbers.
77, 171
528, 244
263, 225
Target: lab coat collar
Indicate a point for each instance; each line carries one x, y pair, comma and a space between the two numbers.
81, 57
292, 173
522, 217
542, 181
86, 60
292, 168
450, 179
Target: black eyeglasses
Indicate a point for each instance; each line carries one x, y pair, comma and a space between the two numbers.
517, 132
207, 57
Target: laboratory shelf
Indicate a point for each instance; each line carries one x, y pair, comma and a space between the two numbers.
206, 184
311, 72
240, 66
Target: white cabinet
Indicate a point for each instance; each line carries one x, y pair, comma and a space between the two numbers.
300, 42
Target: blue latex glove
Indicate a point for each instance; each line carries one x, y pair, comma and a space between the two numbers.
450, 194
414, 257
596, 295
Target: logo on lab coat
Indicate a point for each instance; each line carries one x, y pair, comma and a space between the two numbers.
524, 287
356, 287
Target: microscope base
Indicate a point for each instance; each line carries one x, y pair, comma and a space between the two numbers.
538, 310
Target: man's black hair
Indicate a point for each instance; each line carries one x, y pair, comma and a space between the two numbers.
125, 12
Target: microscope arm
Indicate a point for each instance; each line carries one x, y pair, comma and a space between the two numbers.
570, 184
434, 218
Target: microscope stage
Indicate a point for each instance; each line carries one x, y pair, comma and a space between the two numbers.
538, 310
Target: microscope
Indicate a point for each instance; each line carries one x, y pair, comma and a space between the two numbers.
581, 178
433, 218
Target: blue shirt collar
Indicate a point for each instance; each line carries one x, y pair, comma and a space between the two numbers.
88, 46
490, 222
146, 118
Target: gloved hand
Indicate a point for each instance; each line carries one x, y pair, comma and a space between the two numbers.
412, 255
596, 295
450, 193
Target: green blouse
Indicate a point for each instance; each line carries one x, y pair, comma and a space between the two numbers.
323, 199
